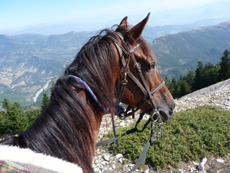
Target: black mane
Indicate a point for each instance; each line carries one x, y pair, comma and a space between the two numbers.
64, 128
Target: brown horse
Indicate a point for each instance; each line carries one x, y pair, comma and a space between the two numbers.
68, 127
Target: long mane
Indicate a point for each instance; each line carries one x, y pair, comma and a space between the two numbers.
64, 128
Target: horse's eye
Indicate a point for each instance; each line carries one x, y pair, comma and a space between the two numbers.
152, 64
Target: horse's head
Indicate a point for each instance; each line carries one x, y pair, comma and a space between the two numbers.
141, 58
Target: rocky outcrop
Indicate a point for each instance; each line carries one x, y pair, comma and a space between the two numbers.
215, 95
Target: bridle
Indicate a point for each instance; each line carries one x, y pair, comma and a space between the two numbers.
147, 95
142, 86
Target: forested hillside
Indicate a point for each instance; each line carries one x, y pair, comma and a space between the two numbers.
15, 117
202, 76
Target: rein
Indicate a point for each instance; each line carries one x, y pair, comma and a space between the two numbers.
147, 95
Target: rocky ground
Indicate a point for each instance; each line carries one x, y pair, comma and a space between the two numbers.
216, 95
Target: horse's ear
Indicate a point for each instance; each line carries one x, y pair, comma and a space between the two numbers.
124, 22
136, 31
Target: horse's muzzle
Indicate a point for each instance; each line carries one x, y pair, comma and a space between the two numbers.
166, 113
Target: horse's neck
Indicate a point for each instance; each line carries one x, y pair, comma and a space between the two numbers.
95, 121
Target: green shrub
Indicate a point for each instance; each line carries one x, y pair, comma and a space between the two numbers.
189, 135
15, 118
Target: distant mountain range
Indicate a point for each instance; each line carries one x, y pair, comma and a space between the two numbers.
179, 52
29, 61
150, 33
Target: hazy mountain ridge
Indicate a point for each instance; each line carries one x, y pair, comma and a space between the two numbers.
151, 33
28, 61
179, 52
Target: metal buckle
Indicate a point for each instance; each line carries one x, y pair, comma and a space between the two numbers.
125, 79
145, 98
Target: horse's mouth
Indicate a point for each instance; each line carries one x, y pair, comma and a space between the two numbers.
161, 114
165, 116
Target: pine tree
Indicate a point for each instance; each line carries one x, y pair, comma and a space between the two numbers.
32, 115
198, 79
52, 85
45, 100
2, 122
167, 83
173, 87
211, 77
14, 119
6, 104
185, 88
190, 77
224, 72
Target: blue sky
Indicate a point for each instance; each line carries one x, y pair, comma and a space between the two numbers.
16, 14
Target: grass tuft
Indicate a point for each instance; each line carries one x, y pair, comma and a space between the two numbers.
189, 135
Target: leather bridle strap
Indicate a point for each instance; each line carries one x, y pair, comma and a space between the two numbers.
143, 87
127, 113
133, 130
125, 73
143, 80
147, 94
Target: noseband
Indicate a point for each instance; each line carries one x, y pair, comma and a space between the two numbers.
147, 95
142, 86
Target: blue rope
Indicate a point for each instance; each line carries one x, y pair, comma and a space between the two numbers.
90, 92
97, 101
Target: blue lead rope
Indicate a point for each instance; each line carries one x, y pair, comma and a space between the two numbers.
97, 101
90, 92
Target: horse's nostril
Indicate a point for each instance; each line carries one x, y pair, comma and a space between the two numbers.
164, 115
171, 109
174, 105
